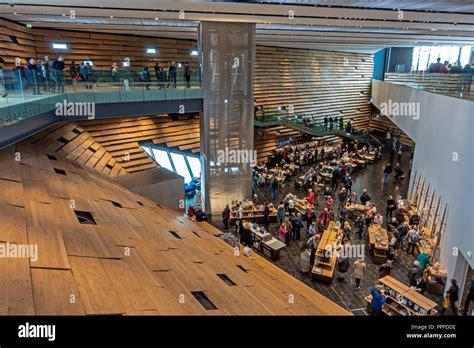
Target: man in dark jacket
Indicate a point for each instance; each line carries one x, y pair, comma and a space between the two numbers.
453, 296
226, 216
58, 72
470, 296
365, 197
387, 171
187, 74
33, 76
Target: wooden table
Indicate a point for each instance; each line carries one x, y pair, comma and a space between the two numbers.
324, 265
440, 277
268, 245
378, 243
403, 300
351, 208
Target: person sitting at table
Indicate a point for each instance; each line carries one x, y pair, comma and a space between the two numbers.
310, 197
420, 285
245, 234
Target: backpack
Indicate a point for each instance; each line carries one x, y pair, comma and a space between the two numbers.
414, 238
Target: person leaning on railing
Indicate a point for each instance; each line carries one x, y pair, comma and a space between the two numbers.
3, 89
33, 76
466, 79
58, 73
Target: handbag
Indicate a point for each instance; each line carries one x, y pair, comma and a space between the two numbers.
446, 303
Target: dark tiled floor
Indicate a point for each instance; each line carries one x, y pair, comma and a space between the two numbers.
344, 293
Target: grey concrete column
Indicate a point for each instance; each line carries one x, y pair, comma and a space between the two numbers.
227, 56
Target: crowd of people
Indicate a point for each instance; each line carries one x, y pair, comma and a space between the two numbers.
454, 68
50, 75
328, 199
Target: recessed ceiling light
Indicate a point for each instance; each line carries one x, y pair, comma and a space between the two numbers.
156, 18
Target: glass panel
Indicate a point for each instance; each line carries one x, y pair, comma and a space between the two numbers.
162, 159
195, 165
148, 150
181, 167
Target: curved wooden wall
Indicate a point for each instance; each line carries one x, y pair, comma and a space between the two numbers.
315, 83
129, 262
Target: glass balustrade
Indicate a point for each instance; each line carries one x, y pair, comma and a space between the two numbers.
26, 93
458, 85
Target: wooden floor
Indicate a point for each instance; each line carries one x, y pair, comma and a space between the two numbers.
139, 258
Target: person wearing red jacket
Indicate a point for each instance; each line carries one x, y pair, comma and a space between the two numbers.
325, 217
310, 197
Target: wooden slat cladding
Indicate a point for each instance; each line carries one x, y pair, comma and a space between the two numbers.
70, 140
127, 262
315, 83
384, 124
103, 49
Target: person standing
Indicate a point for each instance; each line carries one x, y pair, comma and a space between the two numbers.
342, 214
33, 76
89, 75
266, 214
146, 77
378, 300
365, 197
386, 172
348, 185
298, 224
359, 271
412, 237
390, 207
326, 123
470, 296
305, 257
385, 269
58, 73
452, 296
313, 245
172, 72
226, 216
187, 74
114, 72
274, 186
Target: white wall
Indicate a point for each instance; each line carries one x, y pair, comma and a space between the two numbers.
445, 126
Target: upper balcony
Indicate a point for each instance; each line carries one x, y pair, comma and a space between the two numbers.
457, 85
24, 96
